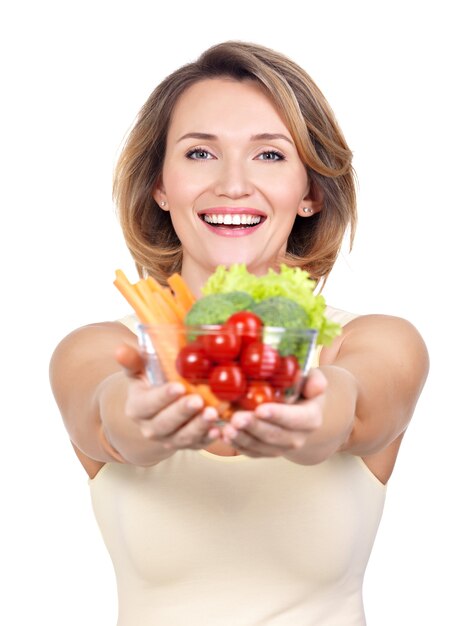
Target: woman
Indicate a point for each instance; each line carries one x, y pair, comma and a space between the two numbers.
270, 519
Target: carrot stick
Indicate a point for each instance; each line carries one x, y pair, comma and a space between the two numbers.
167, 313
182, 292
177, 309
144, 313
146, 295
155, 305
166, 294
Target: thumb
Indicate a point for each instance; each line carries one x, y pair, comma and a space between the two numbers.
315, 384
131, 360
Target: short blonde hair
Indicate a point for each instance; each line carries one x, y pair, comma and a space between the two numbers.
315, 242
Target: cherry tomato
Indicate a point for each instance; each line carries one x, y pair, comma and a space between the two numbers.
227, 381
287, 373
193, 364
257, 393
247, 325
259, 361
222, 346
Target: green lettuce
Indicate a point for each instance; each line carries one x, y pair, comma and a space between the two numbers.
289, 282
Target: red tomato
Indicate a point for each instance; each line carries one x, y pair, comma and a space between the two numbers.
256, 394
259, 361
222, 345
227, 382
247, 325
287, 373
193, 364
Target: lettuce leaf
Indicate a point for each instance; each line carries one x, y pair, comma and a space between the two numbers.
292, 283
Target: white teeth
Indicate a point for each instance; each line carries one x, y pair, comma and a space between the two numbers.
232, 219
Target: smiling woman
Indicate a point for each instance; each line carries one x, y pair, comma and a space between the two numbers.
237, 174
244, 114
270, 518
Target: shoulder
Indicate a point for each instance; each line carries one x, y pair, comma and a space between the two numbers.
87, 344
91, 332
387, 335
389, 361
378, 334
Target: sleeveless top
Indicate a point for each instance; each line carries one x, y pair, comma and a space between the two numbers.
239, 541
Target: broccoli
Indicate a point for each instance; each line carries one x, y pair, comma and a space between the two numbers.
217, 308
241, 300
280, 311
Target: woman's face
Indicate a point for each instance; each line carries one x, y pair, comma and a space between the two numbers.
232, 178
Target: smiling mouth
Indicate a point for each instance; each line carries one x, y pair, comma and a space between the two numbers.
233, 221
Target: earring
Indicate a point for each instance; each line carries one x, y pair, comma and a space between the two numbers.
307, 209
162, 204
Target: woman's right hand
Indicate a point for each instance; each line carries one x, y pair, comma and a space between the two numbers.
165, 414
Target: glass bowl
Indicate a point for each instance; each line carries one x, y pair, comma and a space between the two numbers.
231, 370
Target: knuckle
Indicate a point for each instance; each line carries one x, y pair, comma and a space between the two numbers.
147, 432
297, 442
272, 438
183, 441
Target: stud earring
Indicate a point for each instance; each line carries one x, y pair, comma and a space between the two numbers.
162, 204
307, 209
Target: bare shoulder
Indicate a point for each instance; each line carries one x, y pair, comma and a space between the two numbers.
95, 342
388, 335
389, 360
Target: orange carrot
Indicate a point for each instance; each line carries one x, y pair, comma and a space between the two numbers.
167, 296
144, 313
182, 292
156, 305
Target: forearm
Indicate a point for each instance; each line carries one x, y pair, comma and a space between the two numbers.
123, 433
339, 412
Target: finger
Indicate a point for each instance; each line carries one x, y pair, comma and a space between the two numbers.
267, 433
131, 360
145, 401
303, 416
249, 445
170, 419
197, 433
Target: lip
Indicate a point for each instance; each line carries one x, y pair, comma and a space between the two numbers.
232, 210
228, 232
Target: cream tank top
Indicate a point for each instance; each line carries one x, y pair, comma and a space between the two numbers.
202, 539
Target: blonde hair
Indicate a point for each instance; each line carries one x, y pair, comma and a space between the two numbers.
315, 242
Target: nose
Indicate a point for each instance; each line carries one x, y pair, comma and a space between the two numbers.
233, 180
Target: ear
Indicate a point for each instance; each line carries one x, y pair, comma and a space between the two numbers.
159, 196
312, 202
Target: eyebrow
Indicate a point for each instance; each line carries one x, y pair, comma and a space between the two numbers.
259, 137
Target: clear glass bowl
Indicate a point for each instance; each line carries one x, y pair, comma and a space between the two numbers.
231, 371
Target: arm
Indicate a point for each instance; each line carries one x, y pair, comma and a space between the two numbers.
110, 410
359, 400
374, 379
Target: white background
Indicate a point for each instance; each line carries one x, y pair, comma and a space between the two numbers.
73, 78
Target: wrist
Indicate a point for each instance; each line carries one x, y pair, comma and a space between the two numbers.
338, 415
120, 435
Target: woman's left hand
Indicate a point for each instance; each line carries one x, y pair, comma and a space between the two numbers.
276, 429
